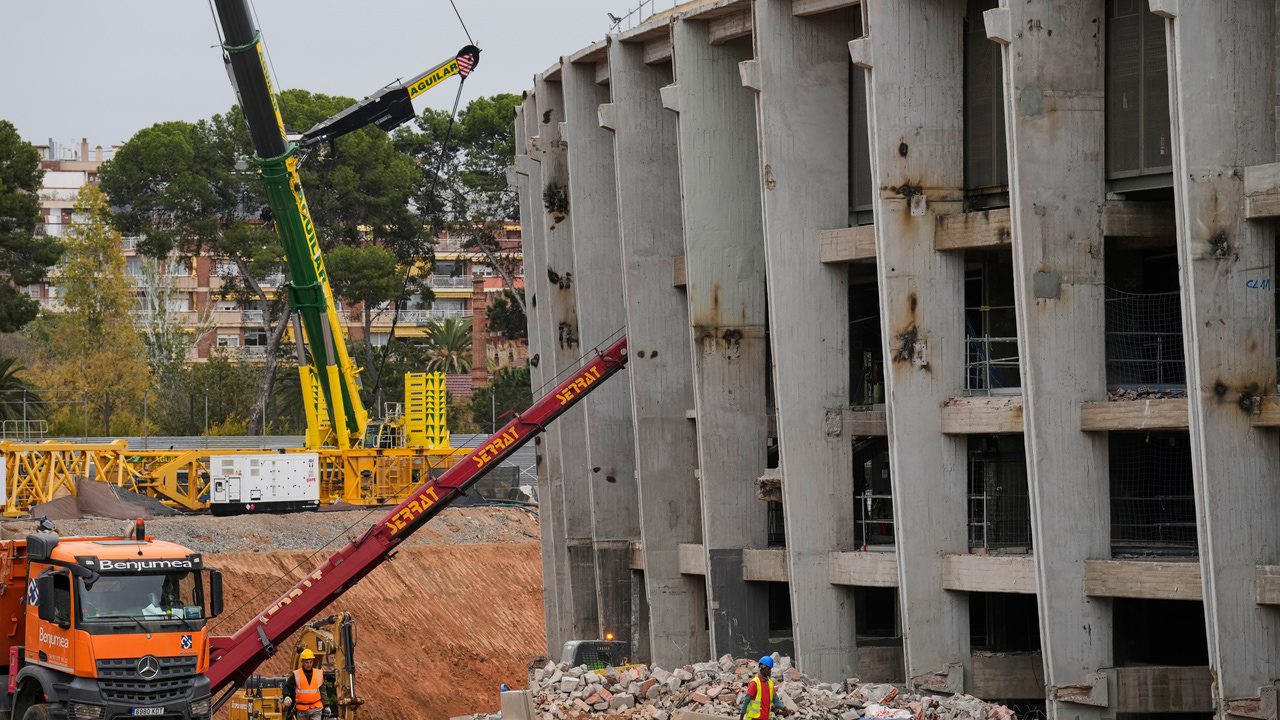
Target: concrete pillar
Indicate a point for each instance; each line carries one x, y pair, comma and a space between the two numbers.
528, 176
802, 77
1223, 111
564, 349
657, 324
915, 82
1054, 109
725, 287
593, 202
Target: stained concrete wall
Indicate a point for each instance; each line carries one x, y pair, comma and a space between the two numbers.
1054, 105
610, 447
802, 101
657, 326
725, 286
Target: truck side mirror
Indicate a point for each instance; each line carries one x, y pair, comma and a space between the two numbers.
46, 603
215, 593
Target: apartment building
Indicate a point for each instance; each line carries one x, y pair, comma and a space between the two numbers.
952, 334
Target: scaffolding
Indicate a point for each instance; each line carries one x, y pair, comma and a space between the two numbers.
1153, 509
872, 496
999, 507
1144, 339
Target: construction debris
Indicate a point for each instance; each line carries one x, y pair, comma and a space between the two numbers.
1144, 393
716, 689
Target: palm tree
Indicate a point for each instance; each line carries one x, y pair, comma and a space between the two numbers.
449, 346
15, 391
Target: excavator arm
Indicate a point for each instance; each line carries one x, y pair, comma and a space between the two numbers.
234, 658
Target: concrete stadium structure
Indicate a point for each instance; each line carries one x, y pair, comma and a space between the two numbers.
952, 344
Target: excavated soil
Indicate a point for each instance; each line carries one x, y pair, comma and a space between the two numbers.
456, 613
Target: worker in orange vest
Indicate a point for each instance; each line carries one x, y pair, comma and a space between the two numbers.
761, 692
304, 689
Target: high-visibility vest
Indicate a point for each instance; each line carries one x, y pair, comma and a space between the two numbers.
753, 707
307, 690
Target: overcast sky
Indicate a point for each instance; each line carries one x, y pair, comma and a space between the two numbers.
104, 70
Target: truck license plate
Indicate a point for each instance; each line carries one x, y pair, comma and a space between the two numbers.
143, 712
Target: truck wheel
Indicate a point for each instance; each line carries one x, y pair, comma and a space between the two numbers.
39, 711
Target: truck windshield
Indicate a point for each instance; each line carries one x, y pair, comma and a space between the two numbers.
141, 597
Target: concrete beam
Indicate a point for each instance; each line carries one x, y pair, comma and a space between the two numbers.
914, 59
868, 421
865, 569
1223, 120
1054, 79
1262, 191
723, 269
990, 573
853, 244
1267, 412
602, 73
1156, 689
693, 559
657, 51
1267, 579
992, 415
637, 556
597, 261
1159, 414
1153, 580
764, 565
729, 27
1007, 676
563, 348
807, 8
1128, 218
679, 275
661, 376
803, 71
974, 230
528, 173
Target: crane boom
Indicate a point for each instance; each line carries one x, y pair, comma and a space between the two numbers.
234, 658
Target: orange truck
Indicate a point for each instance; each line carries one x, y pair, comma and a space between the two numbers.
97, 628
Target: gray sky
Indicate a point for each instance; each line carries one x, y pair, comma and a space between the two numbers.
104, 70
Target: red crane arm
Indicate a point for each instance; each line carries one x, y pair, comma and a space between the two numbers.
232, 659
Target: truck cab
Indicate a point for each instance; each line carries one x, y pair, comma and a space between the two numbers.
100, 628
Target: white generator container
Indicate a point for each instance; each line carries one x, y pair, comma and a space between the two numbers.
266, 482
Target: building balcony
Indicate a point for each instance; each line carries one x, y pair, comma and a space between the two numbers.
419, 317
449, 281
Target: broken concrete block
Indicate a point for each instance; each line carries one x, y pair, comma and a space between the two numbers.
569, 684
622, 701
516, 705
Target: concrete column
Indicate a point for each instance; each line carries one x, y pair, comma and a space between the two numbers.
915, 86
593, 202
1223, 111
555, 575
1053, 94
657, 324
564, 349
725, 286
802, 78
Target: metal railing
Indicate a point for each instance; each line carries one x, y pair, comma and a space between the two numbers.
776, 524
999, 507
421, 317
991, 365
252, 316
1144, 339
640, 13
873, 520
449, 281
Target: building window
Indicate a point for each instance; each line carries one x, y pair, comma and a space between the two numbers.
226, 306
1003, 622
999, 507
986, 162
990, 324
133, 266
777, 529
872, 494
178, 303
255, 338
1138, 128
1153, 510
1144, 348
180, 267
860, 181
227, 340
226, 268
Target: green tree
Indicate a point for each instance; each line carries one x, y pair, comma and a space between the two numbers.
505, 315
25, 254
509, 392
208, 398
19, 399
91, 352
448, 344
366, 276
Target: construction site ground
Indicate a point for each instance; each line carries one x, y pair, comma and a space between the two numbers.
456, 613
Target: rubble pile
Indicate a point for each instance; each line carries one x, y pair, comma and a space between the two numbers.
1144, 393
716, 689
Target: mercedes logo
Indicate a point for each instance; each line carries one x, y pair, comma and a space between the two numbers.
148, 667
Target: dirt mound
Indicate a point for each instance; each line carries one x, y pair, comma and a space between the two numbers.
101, 500
438, 629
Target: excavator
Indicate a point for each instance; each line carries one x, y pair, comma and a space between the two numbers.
102, 628
332, 640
